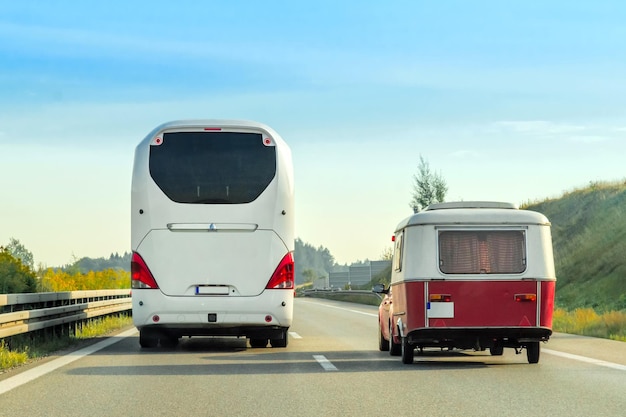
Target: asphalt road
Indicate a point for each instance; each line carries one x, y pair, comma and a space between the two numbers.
332, 367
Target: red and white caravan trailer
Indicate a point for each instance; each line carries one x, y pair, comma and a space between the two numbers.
469, 275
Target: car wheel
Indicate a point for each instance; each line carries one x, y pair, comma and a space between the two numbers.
394, 348
383, 344
532, 352
408, 351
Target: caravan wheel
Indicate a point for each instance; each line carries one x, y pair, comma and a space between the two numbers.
532, 352
408, 351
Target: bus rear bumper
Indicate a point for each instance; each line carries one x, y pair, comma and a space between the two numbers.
269, 314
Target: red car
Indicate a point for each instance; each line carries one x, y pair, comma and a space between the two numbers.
385, 313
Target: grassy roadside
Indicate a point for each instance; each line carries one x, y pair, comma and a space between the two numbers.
587, 322
24, 349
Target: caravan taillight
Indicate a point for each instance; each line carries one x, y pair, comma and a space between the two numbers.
283, 277
140, 274
525, 297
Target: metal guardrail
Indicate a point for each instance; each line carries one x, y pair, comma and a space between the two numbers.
367, 297
23, 313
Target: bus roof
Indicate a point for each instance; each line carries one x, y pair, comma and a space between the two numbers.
474, 213
213, 123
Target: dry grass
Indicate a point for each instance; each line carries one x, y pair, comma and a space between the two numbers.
24, 348
9, 359
585, 321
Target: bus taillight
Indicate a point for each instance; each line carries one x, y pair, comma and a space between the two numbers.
440, 298
140, 274
283, 277
525, 297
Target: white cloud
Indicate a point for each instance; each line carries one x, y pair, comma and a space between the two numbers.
544, 129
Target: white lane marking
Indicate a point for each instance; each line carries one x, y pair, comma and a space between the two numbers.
34, 373
295, 335
350, 310
585, 359
325, 363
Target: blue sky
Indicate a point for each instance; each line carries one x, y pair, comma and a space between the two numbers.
514, 101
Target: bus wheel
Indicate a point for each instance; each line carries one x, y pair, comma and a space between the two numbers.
147, 340
169, 341
496, 350
281, 342
532, 352
408, 351
258, 343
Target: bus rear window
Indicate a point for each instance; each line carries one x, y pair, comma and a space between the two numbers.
482, 252
212, 167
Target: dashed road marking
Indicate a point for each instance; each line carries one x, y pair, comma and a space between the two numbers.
325, 363
295, 335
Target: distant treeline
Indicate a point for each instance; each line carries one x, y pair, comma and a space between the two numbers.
86, 264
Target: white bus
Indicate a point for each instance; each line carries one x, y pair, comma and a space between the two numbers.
212, 233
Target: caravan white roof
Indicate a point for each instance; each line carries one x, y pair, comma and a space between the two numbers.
474, 213
472, 204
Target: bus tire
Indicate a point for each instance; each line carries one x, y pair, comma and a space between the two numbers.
280, 342
408, 351
532, 352
169, 341
258, 343
147, 339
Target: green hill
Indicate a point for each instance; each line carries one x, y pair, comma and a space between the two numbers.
589, 239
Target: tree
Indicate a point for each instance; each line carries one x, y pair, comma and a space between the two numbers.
428, 187
387, 254
309, 275
19, 251
319, 260
15, 277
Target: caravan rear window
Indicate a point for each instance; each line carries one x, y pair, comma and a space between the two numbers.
482, 252
212, 167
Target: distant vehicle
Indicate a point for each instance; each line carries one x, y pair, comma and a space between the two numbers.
212, 233
384, 317
469, 275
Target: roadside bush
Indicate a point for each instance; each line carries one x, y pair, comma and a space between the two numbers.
585, 321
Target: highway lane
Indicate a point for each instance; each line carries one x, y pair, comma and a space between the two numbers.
332, 367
